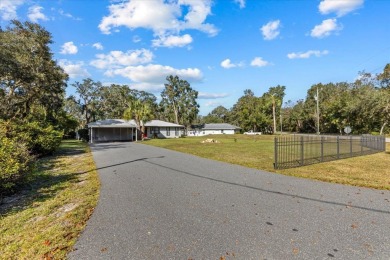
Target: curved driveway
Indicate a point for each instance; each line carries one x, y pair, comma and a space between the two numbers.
160, 204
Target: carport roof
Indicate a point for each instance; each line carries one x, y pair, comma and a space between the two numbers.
121, 123
113, 123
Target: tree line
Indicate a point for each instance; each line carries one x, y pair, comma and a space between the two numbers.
363, 105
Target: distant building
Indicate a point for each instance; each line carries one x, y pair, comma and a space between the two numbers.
213, 129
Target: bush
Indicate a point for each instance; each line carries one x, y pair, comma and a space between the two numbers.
71, 135
15, 164
83, 134
40, 140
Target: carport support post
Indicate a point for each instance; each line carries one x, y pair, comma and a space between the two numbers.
91, 135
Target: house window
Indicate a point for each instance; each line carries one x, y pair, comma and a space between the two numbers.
176, 131
155, 130
168, 131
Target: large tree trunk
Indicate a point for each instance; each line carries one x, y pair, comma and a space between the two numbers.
382, 128
142, 131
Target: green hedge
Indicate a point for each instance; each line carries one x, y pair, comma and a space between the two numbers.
83, 134
40, 140
15, 163
20, 143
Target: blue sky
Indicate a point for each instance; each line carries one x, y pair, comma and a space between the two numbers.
221, 47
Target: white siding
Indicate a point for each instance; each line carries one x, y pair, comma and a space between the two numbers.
166, 132
218, 132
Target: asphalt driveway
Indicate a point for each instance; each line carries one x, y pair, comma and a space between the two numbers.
160, 204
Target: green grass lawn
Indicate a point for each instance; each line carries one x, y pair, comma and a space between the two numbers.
44, 220
258, 152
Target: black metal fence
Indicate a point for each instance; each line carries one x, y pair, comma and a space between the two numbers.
299, 150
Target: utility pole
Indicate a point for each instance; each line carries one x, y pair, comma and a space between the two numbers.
317, 98
274, 112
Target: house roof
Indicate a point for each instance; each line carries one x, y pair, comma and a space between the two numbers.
121, 123
220, 126
159, 123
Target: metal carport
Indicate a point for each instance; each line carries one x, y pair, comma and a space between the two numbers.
112, 130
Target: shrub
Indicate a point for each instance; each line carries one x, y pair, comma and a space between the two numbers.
15, 163
40, 140
83, 134
70, 135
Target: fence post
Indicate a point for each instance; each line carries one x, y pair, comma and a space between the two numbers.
338, 147
383, 143
276, 152
350, 146
361, 145
322, 148
302, 150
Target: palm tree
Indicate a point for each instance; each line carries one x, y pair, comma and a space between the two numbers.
141, 112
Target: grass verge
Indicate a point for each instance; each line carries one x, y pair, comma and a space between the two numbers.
257, 152
44, 220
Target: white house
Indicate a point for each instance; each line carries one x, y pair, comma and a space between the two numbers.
162, 129
213, 129
123, 130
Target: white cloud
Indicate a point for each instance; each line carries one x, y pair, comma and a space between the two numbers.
326, 28
259, 62
306, 55
8, 9
172, 41
227, 64
69, 48
98, 46
35, 14
164, 18
213, 104
271, 30
74, 70
241, 3
68, 15
203, 95
340, 7
154, 74
119, 59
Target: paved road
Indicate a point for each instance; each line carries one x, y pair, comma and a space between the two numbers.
160, 204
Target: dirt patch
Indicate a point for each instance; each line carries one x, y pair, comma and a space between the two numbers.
210, 141
66, 208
